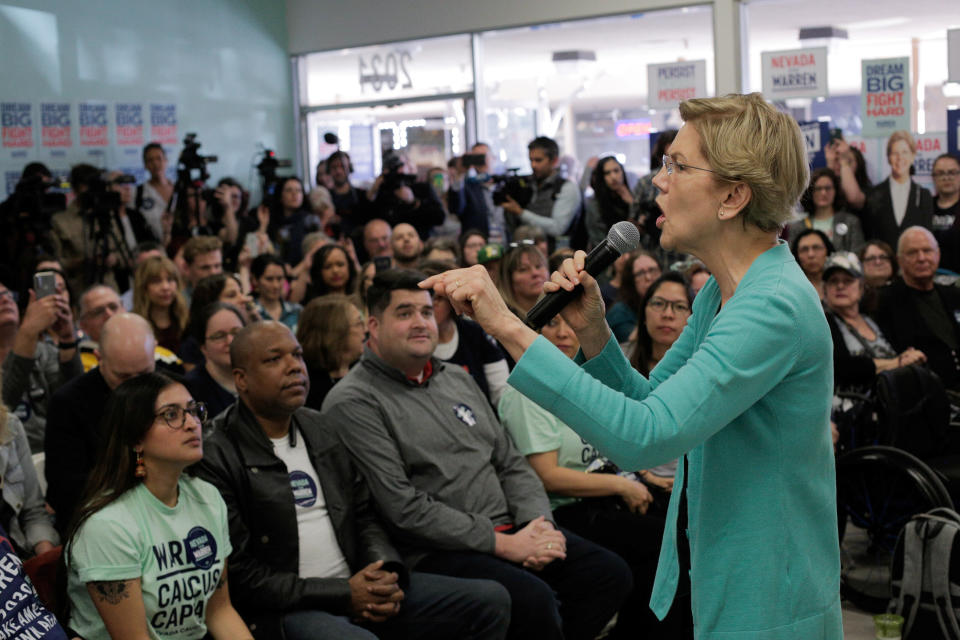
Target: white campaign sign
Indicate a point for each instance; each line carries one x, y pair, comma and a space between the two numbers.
669, 83
797, 73
953, 55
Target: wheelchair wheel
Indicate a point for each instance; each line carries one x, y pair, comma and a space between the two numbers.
878, 490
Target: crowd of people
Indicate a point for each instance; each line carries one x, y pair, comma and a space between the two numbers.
366, 470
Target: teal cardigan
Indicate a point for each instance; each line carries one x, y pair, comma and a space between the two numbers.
745, 395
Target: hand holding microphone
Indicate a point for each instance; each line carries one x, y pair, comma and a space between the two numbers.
565, 293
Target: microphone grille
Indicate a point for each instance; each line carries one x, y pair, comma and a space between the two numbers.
624, 236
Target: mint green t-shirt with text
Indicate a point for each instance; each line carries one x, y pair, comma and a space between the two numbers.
177, 552
535, 430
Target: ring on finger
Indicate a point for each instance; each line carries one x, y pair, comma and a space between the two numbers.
549, 546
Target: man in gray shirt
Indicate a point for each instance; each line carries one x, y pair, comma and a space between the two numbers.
454, 492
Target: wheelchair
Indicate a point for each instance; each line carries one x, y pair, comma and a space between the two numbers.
898, 455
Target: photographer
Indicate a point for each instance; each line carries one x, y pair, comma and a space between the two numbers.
555, 202
470, 197
95, 234
398, 197
25, 218
352, 209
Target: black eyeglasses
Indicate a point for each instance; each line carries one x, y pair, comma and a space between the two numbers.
953, 173
176, 416
660, 305
220, 336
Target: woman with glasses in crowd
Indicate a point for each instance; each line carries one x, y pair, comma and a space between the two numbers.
157, 297
823, 201
214, 330
268, 275
291, 219
860, 350
742, 397
471, 241
946, 209
811, 247
146, 553
879, 264
220, 287
332, 333
641, 270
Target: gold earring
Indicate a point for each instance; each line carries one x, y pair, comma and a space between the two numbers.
141, 470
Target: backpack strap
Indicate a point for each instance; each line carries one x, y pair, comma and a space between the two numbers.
911, 582
138, 202
940, 541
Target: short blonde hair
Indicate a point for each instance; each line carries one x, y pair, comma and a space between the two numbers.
744, 138
897, 136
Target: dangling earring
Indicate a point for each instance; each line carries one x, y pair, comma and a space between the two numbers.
141, 470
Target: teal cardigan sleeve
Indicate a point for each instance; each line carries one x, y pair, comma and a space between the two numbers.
748, 349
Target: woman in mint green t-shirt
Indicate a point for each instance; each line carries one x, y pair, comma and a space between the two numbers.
146, 552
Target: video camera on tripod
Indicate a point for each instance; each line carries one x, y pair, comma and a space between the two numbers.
267, 168
191, 166
97, 201
32, 203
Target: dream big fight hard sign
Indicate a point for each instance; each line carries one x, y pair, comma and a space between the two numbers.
885, 101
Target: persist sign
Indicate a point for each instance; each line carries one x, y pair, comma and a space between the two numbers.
796, 73
669, 83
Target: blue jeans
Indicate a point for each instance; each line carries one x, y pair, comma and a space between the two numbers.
434, 606
571, 599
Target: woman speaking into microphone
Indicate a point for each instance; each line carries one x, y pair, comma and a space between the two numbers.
742, 396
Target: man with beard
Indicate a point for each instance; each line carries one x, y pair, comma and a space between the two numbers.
349, 202
555, 202
407, 246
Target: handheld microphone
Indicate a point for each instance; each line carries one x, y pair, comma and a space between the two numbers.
623, 237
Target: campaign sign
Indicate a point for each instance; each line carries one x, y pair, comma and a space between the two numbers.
816, 135
885, 101
668, 84
129, 124
55, 124
163, 123
797, 73
10, 180
929, 146
16, 121
953, 130
93, 124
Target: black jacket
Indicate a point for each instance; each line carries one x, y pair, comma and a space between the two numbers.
239, 460
904, 327
73, 441
879, 221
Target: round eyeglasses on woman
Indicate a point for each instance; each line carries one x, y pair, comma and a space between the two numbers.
176, 416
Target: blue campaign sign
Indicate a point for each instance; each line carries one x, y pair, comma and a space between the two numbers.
953, 130
816, 135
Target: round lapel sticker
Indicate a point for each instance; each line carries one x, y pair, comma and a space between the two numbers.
304, 489
201, 548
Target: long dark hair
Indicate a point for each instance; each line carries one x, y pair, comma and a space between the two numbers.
317, 286
612, 207
644, 346
128, 416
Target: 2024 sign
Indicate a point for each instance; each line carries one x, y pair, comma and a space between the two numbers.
386, 71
